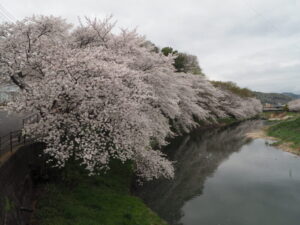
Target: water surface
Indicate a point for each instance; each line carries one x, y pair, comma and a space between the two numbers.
224, 178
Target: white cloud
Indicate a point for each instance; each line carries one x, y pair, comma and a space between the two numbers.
251, 42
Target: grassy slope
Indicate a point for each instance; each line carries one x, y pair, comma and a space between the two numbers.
98, 200
287, 131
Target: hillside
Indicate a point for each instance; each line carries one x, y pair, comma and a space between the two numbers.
273, 98
294, 96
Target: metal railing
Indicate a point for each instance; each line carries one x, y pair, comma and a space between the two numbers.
270, 109
16, 138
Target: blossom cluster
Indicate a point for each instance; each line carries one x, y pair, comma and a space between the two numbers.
294, 105
104, 95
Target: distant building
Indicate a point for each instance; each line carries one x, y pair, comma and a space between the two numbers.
268, 105
273, 107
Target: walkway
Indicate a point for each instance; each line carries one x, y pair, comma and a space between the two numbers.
13, 140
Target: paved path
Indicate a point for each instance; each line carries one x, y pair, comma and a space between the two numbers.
9, 123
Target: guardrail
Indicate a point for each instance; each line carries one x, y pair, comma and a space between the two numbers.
271, 109
16, 138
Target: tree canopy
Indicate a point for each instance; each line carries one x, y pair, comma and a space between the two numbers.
183, 62
103, 95
234, 88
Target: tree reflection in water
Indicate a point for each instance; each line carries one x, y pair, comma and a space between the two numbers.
197, 157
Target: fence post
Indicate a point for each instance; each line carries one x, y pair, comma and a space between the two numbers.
19, 137
11, 143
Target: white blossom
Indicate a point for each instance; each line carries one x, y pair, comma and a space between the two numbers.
294, 105
102, 95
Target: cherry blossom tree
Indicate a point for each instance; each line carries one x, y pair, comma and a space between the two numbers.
294, 105
102, 95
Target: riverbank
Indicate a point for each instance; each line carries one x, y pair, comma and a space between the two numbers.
105, 199
285, 133
78, 199
278, 116
276, 142
217, 171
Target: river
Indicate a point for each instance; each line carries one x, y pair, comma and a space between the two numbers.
224, 178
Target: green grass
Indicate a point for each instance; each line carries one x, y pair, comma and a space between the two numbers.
232, 87
227, 121
287, 131
268, 115
97, 200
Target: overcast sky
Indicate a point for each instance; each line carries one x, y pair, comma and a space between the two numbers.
255, 43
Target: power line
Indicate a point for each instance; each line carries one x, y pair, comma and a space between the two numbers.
255, 11
6, 14
4, 17
270, 22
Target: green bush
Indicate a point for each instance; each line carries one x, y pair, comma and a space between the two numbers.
232, 87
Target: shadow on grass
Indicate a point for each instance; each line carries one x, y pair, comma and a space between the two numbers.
78, 199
